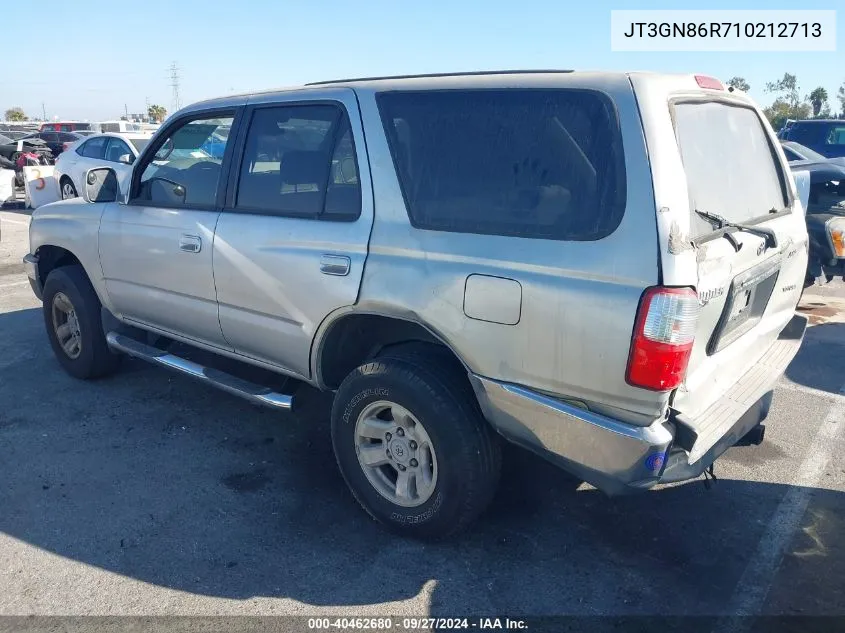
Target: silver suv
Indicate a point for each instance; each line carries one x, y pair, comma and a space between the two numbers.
600, 267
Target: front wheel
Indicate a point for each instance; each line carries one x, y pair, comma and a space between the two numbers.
68, 190
74, 325
413, 446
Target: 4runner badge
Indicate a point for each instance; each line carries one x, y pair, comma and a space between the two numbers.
712, 293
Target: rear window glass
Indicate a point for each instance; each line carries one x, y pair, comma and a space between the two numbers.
729, 163
139, 143
527, 163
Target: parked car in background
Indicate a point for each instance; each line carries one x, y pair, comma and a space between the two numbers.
544, 257
9, 148
67, 126
117, 151
58, 142
825, 211
119, 126
825, 136
16, 134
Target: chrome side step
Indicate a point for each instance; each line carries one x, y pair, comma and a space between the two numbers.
257, 394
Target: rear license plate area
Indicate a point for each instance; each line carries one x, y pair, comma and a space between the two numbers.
746, 302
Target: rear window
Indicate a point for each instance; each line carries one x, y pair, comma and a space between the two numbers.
729, 163
528, 163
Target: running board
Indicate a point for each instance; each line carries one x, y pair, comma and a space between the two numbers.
257, 394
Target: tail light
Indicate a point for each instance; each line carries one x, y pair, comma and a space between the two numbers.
65, 146
663, 337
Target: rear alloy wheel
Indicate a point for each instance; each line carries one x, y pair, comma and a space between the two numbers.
396, 454
412, 444
68, 190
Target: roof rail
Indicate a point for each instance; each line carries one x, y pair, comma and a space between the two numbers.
424, 76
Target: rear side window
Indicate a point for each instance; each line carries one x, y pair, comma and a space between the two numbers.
543, 164
836, 136
94, 147
729, 162
299, 160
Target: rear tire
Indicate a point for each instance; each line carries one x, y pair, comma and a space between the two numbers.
449, 455
67, 188
74, 326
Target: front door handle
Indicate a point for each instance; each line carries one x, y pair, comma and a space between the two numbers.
335, 265
190, 243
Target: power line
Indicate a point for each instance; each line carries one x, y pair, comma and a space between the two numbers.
174, 83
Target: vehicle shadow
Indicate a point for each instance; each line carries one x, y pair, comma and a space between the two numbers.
156, 478
820, 353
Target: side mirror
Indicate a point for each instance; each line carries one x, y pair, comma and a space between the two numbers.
101, 185
126, 159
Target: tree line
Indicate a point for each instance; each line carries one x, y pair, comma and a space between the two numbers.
156, 114
789, 104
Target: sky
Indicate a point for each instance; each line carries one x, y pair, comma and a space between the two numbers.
111, 57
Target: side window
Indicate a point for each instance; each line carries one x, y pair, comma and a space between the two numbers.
532, 163
67, 138
67, 128
300, 161
182, 172
115, 149
836, 136
95, 147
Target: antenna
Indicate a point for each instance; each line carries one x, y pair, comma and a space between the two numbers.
174, 83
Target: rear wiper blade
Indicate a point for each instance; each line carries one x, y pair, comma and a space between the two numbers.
722, 223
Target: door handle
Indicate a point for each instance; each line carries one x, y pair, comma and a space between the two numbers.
335, 265
190, 243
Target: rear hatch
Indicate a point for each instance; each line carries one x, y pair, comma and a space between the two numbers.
748, 279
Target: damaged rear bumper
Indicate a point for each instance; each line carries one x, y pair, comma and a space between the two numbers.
620, 458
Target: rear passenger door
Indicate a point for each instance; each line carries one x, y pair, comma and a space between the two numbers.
292, 238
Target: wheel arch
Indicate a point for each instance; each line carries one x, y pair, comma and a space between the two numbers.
51, 257
350, 337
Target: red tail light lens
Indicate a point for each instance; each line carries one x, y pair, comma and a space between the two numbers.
663, 338
709, 82
65, 146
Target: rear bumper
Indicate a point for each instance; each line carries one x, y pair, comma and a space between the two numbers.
619, 458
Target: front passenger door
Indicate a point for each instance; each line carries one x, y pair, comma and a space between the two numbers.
156, 250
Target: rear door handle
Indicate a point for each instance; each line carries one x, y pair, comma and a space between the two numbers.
335, 265
190, 243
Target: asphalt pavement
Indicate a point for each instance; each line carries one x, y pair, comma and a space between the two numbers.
146, 493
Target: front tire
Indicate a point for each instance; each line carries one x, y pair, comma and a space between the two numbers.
74, 326
413, 446
68, 189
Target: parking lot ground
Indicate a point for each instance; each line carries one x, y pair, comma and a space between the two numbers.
148, 494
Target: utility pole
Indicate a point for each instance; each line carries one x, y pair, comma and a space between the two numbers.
174, 83
43, 111
126, 111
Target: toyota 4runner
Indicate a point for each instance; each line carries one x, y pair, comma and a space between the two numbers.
600, 267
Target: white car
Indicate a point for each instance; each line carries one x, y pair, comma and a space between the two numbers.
114, 150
